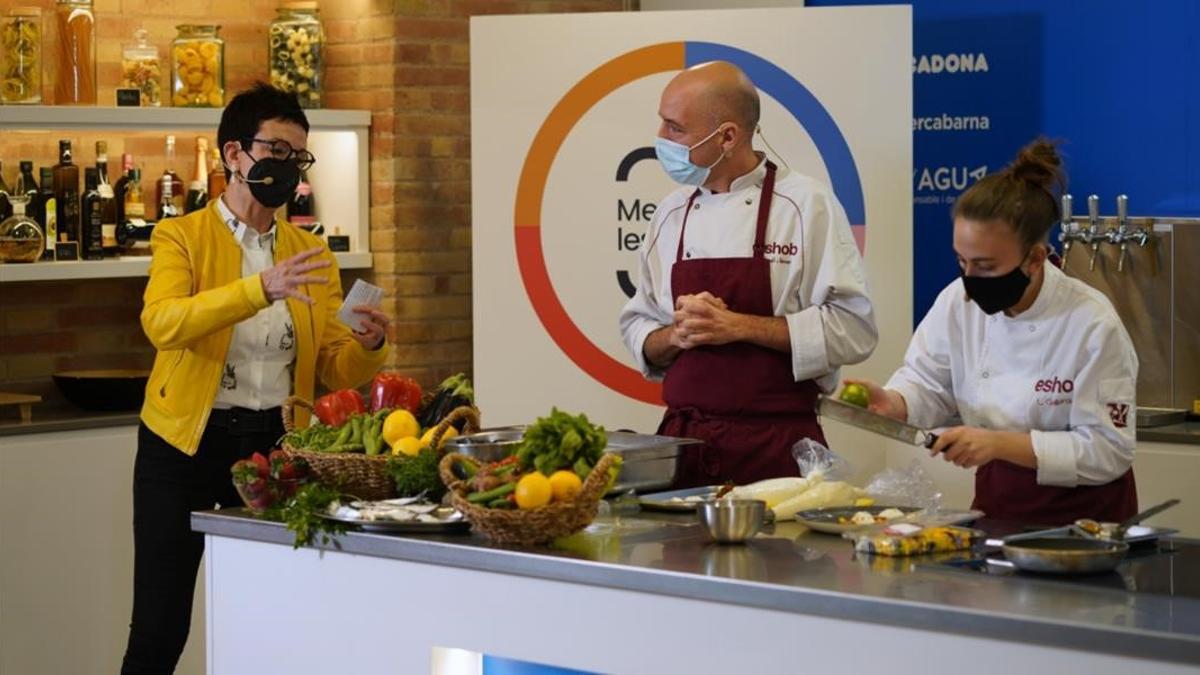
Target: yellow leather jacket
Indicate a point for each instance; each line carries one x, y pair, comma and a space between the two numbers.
195, 296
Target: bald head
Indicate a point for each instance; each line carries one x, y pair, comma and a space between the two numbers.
718, 91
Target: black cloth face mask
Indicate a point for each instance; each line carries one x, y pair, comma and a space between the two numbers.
996, 294
272, 181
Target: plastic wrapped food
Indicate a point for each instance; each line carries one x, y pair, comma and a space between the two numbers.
198, 67
907, 539
773, 491
141, 69
296, 43
824, 494
76, 50
21, 60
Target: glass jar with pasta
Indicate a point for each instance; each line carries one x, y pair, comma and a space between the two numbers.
141, 69
198, 67
75, 82
21, 59
296, 46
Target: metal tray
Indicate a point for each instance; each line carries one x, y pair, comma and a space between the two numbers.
459, 524
826, 520
661, 501
1137, 534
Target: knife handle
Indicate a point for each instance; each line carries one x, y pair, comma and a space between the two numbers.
930, 439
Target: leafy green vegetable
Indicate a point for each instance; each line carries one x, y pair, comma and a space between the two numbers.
300, 514
562, 441
418, 473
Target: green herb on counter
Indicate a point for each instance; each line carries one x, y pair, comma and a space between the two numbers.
417, 474
301, 515
562, 441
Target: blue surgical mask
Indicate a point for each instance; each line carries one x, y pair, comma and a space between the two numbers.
676, 160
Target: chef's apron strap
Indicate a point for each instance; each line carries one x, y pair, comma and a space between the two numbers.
687, 210
764, 212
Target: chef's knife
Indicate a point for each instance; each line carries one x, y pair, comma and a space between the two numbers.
874, 422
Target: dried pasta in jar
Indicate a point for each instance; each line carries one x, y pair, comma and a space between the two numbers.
76, 50
295, 52
21, 60
141, 69
198, 67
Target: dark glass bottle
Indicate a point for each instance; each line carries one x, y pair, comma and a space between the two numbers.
91, 238
66, 194
119, 194
49, 211
176, 183
108, 223
6, 209
27, 186
301, 209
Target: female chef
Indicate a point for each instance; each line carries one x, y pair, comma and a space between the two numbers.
1034, 365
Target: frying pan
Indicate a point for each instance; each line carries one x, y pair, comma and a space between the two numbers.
1064, 554
103, 389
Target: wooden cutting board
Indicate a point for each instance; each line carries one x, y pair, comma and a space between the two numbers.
23, 401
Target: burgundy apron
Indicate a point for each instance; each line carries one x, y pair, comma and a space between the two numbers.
739, 398
1006, 491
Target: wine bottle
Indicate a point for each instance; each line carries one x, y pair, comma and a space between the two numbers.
91, 238
216, 175
197, 195
119, 196
6, 209
166, 199
108, 226
176, 182
27, 186
66, 194
301, 208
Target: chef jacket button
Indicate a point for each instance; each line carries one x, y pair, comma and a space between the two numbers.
749, 202
985, 374
689, 254
696, 207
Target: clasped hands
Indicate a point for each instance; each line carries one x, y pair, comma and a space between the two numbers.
704, 319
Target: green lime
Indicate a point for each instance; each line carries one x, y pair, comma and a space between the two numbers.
856, 394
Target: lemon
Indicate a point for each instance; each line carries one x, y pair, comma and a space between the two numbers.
856, 394
533, 490
427, 437
409, 445
399, 424
565, 485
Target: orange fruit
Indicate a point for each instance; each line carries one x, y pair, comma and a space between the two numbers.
565, 485
533, 490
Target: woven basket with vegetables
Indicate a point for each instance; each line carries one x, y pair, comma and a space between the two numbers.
550, 488
383, 451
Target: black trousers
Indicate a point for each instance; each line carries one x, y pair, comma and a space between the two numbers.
167, 486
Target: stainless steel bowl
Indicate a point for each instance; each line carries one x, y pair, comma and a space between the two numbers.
491, 445
732, 521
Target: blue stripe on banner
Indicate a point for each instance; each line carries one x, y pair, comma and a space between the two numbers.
807, 110
496, 665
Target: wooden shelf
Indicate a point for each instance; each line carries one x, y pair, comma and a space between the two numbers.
44, 117
135, 266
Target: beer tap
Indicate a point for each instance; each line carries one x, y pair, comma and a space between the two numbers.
1121, 234
1069, 232
1093, 236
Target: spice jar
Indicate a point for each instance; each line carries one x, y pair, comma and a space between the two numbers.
141, 69
76, 53
295, 52
21, 59
198, 67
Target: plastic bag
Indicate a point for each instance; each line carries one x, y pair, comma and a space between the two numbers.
905, 487
818, 462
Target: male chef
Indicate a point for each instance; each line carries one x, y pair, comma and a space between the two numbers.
752, 292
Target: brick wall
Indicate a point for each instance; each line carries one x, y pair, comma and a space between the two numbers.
406, 61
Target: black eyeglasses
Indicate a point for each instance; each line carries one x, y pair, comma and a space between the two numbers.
282, 150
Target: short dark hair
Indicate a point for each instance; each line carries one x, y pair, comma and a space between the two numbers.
249, 109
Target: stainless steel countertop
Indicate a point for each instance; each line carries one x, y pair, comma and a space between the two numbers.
67, 420
1183, 432
791, 569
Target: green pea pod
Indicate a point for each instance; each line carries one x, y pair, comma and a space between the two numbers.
488, 496
501, 503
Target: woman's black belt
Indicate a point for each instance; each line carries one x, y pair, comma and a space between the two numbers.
245, 420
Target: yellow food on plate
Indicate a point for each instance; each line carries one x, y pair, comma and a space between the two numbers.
565, 485
409, 445
928, 540
533, 490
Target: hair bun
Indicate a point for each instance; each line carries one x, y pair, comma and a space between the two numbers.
1038, 163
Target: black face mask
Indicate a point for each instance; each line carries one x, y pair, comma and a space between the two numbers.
272, 181
996, 294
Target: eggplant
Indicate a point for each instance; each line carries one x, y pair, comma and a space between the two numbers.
453, 392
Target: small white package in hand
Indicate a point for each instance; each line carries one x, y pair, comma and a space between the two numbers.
361, 293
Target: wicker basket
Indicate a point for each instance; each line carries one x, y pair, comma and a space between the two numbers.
528, 527
363, 476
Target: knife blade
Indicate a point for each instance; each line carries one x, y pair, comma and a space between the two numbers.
874, 422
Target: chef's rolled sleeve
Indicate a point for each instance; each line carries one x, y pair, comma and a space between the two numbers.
1055, 452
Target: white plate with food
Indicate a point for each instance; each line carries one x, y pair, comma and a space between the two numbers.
841, 519
678, 501
411, 515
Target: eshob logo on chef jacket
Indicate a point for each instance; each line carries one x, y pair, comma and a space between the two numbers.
575, 104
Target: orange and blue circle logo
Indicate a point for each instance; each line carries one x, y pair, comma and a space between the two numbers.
595, 86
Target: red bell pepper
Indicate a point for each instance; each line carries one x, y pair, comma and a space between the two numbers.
335, 408
393, 390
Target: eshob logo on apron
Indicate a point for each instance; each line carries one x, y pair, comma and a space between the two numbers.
595, 86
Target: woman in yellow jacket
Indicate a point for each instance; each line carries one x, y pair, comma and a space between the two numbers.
242, 308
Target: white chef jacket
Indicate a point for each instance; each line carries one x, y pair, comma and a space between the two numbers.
817, 278
1065, 370
258, 367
